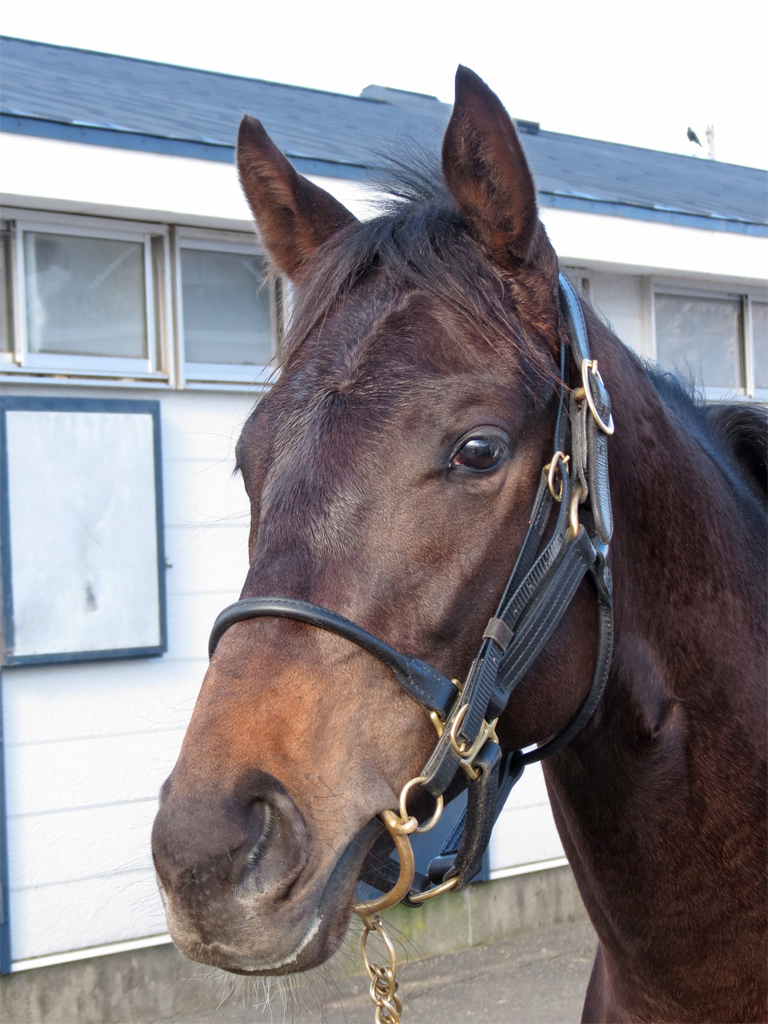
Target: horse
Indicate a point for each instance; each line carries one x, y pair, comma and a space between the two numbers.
391, 470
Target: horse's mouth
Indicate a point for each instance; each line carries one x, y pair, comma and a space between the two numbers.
219, 955
324, 931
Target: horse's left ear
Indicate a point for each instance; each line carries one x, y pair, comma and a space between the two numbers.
487, 172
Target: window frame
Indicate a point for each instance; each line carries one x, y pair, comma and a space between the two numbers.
221, 375
746, 295
752, 295
95, 407
157, 367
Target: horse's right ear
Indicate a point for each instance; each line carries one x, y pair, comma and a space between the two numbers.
293, 216
487, 172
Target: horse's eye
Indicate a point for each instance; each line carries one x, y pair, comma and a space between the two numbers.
481, 453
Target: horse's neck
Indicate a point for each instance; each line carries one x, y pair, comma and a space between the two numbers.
688, 557
660, 802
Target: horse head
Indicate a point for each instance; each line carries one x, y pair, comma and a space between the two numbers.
391, 470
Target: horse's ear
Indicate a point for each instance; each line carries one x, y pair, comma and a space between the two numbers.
293, 216
487, 172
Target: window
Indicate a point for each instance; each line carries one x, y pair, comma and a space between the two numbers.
88, 298
85, 296
759, 311
6, 324
718, 338
228, 309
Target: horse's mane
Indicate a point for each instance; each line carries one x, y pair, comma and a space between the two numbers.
418, 239
744, 429
734, 434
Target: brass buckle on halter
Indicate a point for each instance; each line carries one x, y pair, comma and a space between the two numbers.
468, 755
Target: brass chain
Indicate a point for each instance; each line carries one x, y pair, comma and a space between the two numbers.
383, 988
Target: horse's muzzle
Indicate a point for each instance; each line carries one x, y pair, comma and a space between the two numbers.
226, 856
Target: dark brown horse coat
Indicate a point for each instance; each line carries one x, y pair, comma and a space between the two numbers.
417, 340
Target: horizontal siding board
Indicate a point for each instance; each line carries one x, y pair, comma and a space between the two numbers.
530, 791
524, 836
51, 849
205, 560
56, 703
87, 772
190, 617
203, 492
207, 429
90, 912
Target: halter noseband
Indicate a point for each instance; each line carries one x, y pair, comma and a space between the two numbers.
536, 597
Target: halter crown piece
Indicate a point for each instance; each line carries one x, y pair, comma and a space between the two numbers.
537, 595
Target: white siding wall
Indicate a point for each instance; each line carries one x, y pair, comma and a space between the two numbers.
88, 746
525, 834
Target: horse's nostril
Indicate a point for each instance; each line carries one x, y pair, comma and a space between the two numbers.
249, 840
259, 826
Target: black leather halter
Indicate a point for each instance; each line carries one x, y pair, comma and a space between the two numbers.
538, 592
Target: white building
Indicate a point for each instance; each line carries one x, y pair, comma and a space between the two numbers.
130, 271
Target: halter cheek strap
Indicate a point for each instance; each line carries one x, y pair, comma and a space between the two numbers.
539, 590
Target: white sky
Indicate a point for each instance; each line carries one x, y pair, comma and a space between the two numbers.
636, 73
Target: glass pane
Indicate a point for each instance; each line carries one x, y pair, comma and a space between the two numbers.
760, 343
85, 296
703, 334
6, 337
226, 308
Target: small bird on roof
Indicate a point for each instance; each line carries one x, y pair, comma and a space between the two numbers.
693, 137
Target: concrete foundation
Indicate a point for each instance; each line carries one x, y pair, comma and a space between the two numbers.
159, 983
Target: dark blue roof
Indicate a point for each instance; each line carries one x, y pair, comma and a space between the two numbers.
99, 98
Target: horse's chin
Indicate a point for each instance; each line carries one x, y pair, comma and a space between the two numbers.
316, 936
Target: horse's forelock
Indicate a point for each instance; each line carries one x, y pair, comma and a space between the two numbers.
420, 242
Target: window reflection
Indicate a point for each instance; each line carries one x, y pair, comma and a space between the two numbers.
85, 296
702, 336
226, 307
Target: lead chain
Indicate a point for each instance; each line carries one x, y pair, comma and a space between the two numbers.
383, 988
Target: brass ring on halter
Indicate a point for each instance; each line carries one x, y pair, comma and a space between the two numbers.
559, 461
404, 826
423, 897
590, 366
407, 871
404, 811
574, 510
